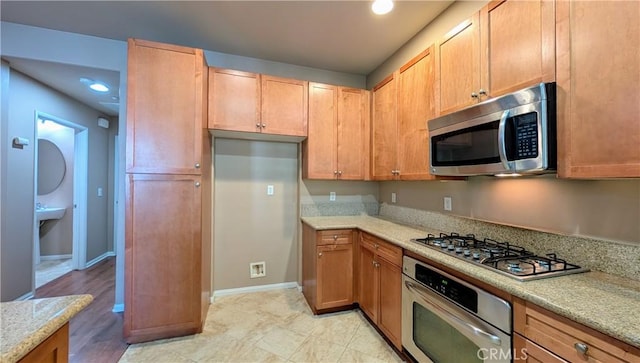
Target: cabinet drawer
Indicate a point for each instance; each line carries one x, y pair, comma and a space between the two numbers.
335, 236
384, 249
565, 338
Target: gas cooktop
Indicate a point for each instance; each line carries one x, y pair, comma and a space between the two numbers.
503, 257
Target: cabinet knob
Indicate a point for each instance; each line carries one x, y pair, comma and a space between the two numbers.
376, 246
335, 172
258, 124
339, 172
482, 92
320, 254
197, 165
335, 237
197, 184
581, 348
474, 95
264, 125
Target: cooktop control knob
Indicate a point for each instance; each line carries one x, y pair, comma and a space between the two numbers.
451, 247
476, 256
467, 253
458, 249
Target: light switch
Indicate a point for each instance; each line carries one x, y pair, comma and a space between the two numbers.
332, 196
269, 189
99, 191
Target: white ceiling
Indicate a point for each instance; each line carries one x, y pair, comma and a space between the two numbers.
341, 36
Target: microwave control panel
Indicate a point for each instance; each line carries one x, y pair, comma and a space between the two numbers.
526, 136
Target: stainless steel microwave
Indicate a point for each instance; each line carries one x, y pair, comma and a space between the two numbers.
512, 135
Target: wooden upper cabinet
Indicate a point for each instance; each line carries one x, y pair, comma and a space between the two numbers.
234, 100
319, 149
384, 132
458, 67
598, 89
518, 45
416, 105
284, 106
337, 145
165, 98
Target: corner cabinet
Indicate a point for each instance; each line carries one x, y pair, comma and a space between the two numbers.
327, 268
380, 285
542, 336
598, 89
168, 193
338, 143
402, 104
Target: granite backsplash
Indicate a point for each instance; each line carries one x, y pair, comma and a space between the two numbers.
607, 256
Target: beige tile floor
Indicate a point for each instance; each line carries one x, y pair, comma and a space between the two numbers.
271, 326
50, 270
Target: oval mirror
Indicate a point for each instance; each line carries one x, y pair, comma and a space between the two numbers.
51, 167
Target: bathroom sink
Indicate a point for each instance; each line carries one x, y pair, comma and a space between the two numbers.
45, 213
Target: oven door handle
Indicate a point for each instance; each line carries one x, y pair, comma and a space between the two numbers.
444, 314
502, 149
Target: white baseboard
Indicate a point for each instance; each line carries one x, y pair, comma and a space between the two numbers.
100, 258
54, 257
118, 308
243, 290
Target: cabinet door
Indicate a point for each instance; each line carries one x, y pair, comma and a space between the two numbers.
319, 149
518, 44
598, 89
369, 284
284, 106
458, 67
416, 105
353, 105
234, 100
162, 256
335, 275
384, 135
390, 301
165, 117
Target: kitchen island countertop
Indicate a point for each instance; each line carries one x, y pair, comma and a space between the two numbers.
604, 302
26, 324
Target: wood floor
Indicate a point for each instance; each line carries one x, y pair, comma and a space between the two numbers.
95, 334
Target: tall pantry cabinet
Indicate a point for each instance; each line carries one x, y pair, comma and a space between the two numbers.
168, 200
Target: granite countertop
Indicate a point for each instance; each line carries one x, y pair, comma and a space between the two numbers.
604, 302
26, 324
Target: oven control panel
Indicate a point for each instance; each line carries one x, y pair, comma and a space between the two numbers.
453, 290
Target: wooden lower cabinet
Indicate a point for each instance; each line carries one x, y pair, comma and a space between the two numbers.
380, 285
55, 349
327, 268
548, 337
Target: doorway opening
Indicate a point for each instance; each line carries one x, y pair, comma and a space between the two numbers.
61, 173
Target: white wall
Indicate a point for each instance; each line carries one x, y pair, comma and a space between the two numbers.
251, 226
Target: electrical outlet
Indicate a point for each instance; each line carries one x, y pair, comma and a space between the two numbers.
257, 269
332, 196
447, 203
393, 197
269, 189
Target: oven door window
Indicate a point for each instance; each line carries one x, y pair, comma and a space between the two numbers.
440, 341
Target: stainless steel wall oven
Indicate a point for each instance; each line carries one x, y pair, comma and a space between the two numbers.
445, 319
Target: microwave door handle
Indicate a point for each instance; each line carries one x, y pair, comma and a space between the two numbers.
502, 149
452, 319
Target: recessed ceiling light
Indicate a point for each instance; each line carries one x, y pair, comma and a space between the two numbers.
382, 7
99, 87
94, 85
